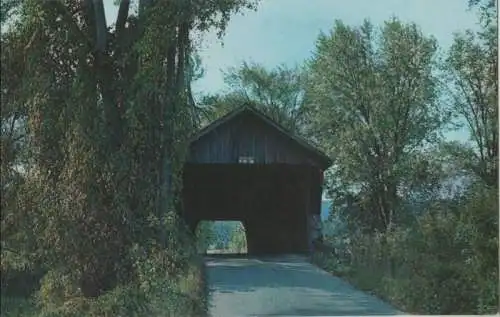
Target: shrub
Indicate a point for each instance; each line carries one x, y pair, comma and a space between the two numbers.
19, 276
163, 281
446, 262
17, 307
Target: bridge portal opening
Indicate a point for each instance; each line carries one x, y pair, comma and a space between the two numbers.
273, 201
244, 166
221, 237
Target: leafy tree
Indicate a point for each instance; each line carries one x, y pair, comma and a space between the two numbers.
472, 70
205, 236
279, 93
106, 113
374, 103
7, 9
237, 240
13, 114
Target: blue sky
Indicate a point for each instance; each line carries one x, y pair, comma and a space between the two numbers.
284, 31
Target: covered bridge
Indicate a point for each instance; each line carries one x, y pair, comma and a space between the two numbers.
246, 167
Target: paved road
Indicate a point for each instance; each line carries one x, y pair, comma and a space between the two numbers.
283, 286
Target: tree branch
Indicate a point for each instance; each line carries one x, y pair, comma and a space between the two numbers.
183, 42
100, 24
144, 5
68, 18
12, 124
121, 19
471, 117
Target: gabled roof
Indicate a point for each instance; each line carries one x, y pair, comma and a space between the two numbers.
247, 109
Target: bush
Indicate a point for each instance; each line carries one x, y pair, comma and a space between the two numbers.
19, 277
164, 281
17, 307
20, 282
446, 263
160, 289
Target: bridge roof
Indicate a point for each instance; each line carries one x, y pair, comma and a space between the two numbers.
247, 110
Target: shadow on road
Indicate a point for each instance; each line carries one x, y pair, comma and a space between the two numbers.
294, 286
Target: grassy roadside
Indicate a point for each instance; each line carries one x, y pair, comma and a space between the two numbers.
185, 296
364, 280
429, 285
444, 262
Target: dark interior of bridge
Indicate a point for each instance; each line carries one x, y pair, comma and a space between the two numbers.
271, 200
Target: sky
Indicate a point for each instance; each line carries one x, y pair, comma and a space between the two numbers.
285, 31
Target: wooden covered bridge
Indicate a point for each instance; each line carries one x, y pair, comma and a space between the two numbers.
246, 167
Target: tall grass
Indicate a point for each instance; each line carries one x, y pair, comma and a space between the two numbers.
444, 263
163, 282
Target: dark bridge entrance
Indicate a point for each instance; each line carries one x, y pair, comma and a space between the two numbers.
244, 167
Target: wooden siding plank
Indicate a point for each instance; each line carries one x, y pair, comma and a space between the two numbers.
266, 157
247, 136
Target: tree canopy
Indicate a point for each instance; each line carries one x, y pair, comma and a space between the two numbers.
101, 117
95, 121
279, 93
373, 95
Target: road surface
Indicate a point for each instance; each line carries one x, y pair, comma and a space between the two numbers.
283, 286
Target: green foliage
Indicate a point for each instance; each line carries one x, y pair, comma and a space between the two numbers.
225, 236
471, 68
279, 93
163, 297
18, 307
205, 236
373, 99
94, 130
237, 240
7, 9
94, 135
165, 281
446, 263
440, 256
